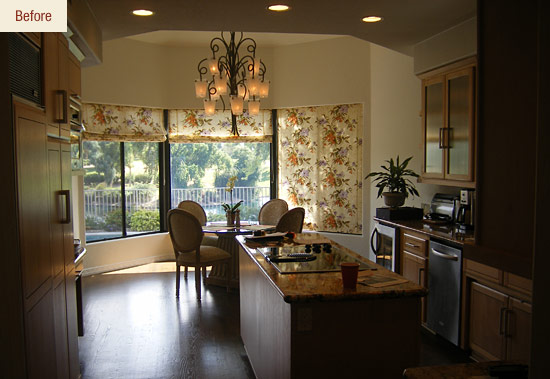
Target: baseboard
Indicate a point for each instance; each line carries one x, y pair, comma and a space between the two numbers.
126, 264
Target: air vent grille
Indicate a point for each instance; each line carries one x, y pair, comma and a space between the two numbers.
25, 69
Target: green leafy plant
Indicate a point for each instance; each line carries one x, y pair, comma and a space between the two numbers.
231, 208
145, 221
394, 178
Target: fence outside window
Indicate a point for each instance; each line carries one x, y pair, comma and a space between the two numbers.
99, 203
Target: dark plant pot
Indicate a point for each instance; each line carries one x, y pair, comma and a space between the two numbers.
394, 199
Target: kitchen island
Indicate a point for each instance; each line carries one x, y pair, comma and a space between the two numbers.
301, 325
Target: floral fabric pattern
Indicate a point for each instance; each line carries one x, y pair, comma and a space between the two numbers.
193, 125
122, 123
320, 165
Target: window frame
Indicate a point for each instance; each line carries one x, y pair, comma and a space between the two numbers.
165, 182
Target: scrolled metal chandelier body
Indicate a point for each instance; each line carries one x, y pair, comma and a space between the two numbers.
235, 72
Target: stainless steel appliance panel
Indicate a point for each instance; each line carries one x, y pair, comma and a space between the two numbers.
444, 282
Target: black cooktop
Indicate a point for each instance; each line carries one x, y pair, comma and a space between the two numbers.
309, 258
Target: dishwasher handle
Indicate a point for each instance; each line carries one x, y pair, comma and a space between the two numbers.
444, 256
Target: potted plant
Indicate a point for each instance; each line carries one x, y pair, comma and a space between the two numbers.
231, 210
393, 183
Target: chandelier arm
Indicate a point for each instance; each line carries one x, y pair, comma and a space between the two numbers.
251, 48
244, 62
202, 70
223, 102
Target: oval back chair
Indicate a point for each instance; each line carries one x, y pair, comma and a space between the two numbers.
271, 212
186, 235
292, 221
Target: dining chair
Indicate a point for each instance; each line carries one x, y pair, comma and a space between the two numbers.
271, 212
292, 221
198, 211
186, 235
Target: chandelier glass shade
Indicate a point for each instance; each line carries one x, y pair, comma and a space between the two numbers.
232, 72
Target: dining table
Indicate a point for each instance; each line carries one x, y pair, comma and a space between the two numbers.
226, 241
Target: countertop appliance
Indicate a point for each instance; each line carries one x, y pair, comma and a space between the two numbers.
309, 258
384, 245
443, 209
444, 282
466, 211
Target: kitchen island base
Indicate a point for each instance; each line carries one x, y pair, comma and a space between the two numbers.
369, 338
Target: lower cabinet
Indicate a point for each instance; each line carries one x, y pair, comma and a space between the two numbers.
499, 325
414, 262
415, 269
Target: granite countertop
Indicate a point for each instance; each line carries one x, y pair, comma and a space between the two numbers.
445, 232
327, 286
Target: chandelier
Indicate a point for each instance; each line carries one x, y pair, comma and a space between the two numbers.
234, 72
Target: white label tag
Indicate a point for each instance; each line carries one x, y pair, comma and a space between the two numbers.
33, 16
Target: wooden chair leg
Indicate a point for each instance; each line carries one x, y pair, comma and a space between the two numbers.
229, 272
198, 282
204, 272
178, 279
185, 272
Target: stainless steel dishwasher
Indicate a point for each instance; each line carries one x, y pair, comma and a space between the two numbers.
444, 283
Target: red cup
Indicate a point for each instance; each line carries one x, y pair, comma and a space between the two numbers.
349, 274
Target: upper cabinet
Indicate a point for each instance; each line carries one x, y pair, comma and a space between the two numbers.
55, 57
448, 115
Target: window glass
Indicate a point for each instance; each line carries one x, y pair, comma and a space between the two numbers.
102, 190
105, 189
141, 176
200, 171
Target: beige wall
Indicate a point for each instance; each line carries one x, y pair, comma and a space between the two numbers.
144, 74
335, 71
396, 125
118, 254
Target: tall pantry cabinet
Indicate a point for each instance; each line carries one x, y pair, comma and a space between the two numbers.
45, 234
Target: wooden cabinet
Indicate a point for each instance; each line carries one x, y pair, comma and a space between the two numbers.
414, 261
55, 57
498, 313
500, 325
59, 174
75, 87
448, 113
43, 174
507, 135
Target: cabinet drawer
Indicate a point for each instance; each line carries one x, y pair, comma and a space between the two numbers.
414, 243
487, 272
518, 283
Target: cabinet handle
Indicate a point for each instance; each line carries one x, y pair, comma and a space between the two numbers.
440, 138
412, 245
374, 232
66, 218
420, 270
501, 322
508, 315
63, 118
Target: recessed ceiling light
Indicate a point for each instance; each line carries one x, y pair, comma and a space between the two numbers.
142, 12
278, 7
372, 19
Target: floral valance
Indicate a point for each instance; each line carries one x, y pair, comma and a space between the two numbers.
192, 125
122, 123
320, 165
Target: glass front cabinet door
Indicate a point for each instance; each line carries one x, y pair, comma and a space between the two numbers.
448, 100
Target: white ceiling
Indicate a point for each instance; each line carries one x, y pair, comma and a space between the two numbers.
181, 38
406, 22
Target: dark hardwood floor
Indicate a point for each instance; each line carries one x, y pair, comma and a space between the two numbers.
136, 328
